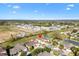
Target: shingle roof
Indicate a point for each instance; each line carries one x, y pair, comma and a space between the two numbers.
44, 54
17, 48
2, 52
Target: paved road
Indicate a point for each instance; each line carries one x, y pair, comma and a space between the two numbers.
72, 41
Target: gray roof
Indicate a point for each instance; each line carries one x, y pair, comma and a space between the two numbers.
30, 43
45, 54
2, 52
17, 48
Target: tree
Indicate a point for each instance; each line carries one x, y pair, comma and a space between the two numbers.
54, 43
32, 47
12, 37
3, 22
39, 50
58, 36
61, 46
74, 50
74, 30
77, 53
56, 53
69, 35
23, 53
36, 51
47, 49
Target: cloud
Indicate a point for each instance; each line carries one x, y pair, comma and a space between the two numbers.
35, 10
16, 7
68, 8
9, 5
14, 12
13, 6
71, 5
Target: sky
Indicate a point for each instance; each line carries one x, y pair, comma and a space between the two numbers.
39, 11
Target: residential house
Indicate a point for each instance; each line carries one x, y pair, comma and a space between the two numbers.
2, 52
45, 54
17, 49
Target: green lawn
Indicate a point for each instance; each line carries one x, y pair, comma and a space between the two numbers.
22, 40
25, 39
12, 43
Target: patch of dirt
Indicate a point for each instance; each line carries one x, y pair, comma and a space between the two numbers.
5, 36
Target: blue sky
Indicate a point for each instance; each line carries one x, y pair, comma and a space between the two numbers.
39, 11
